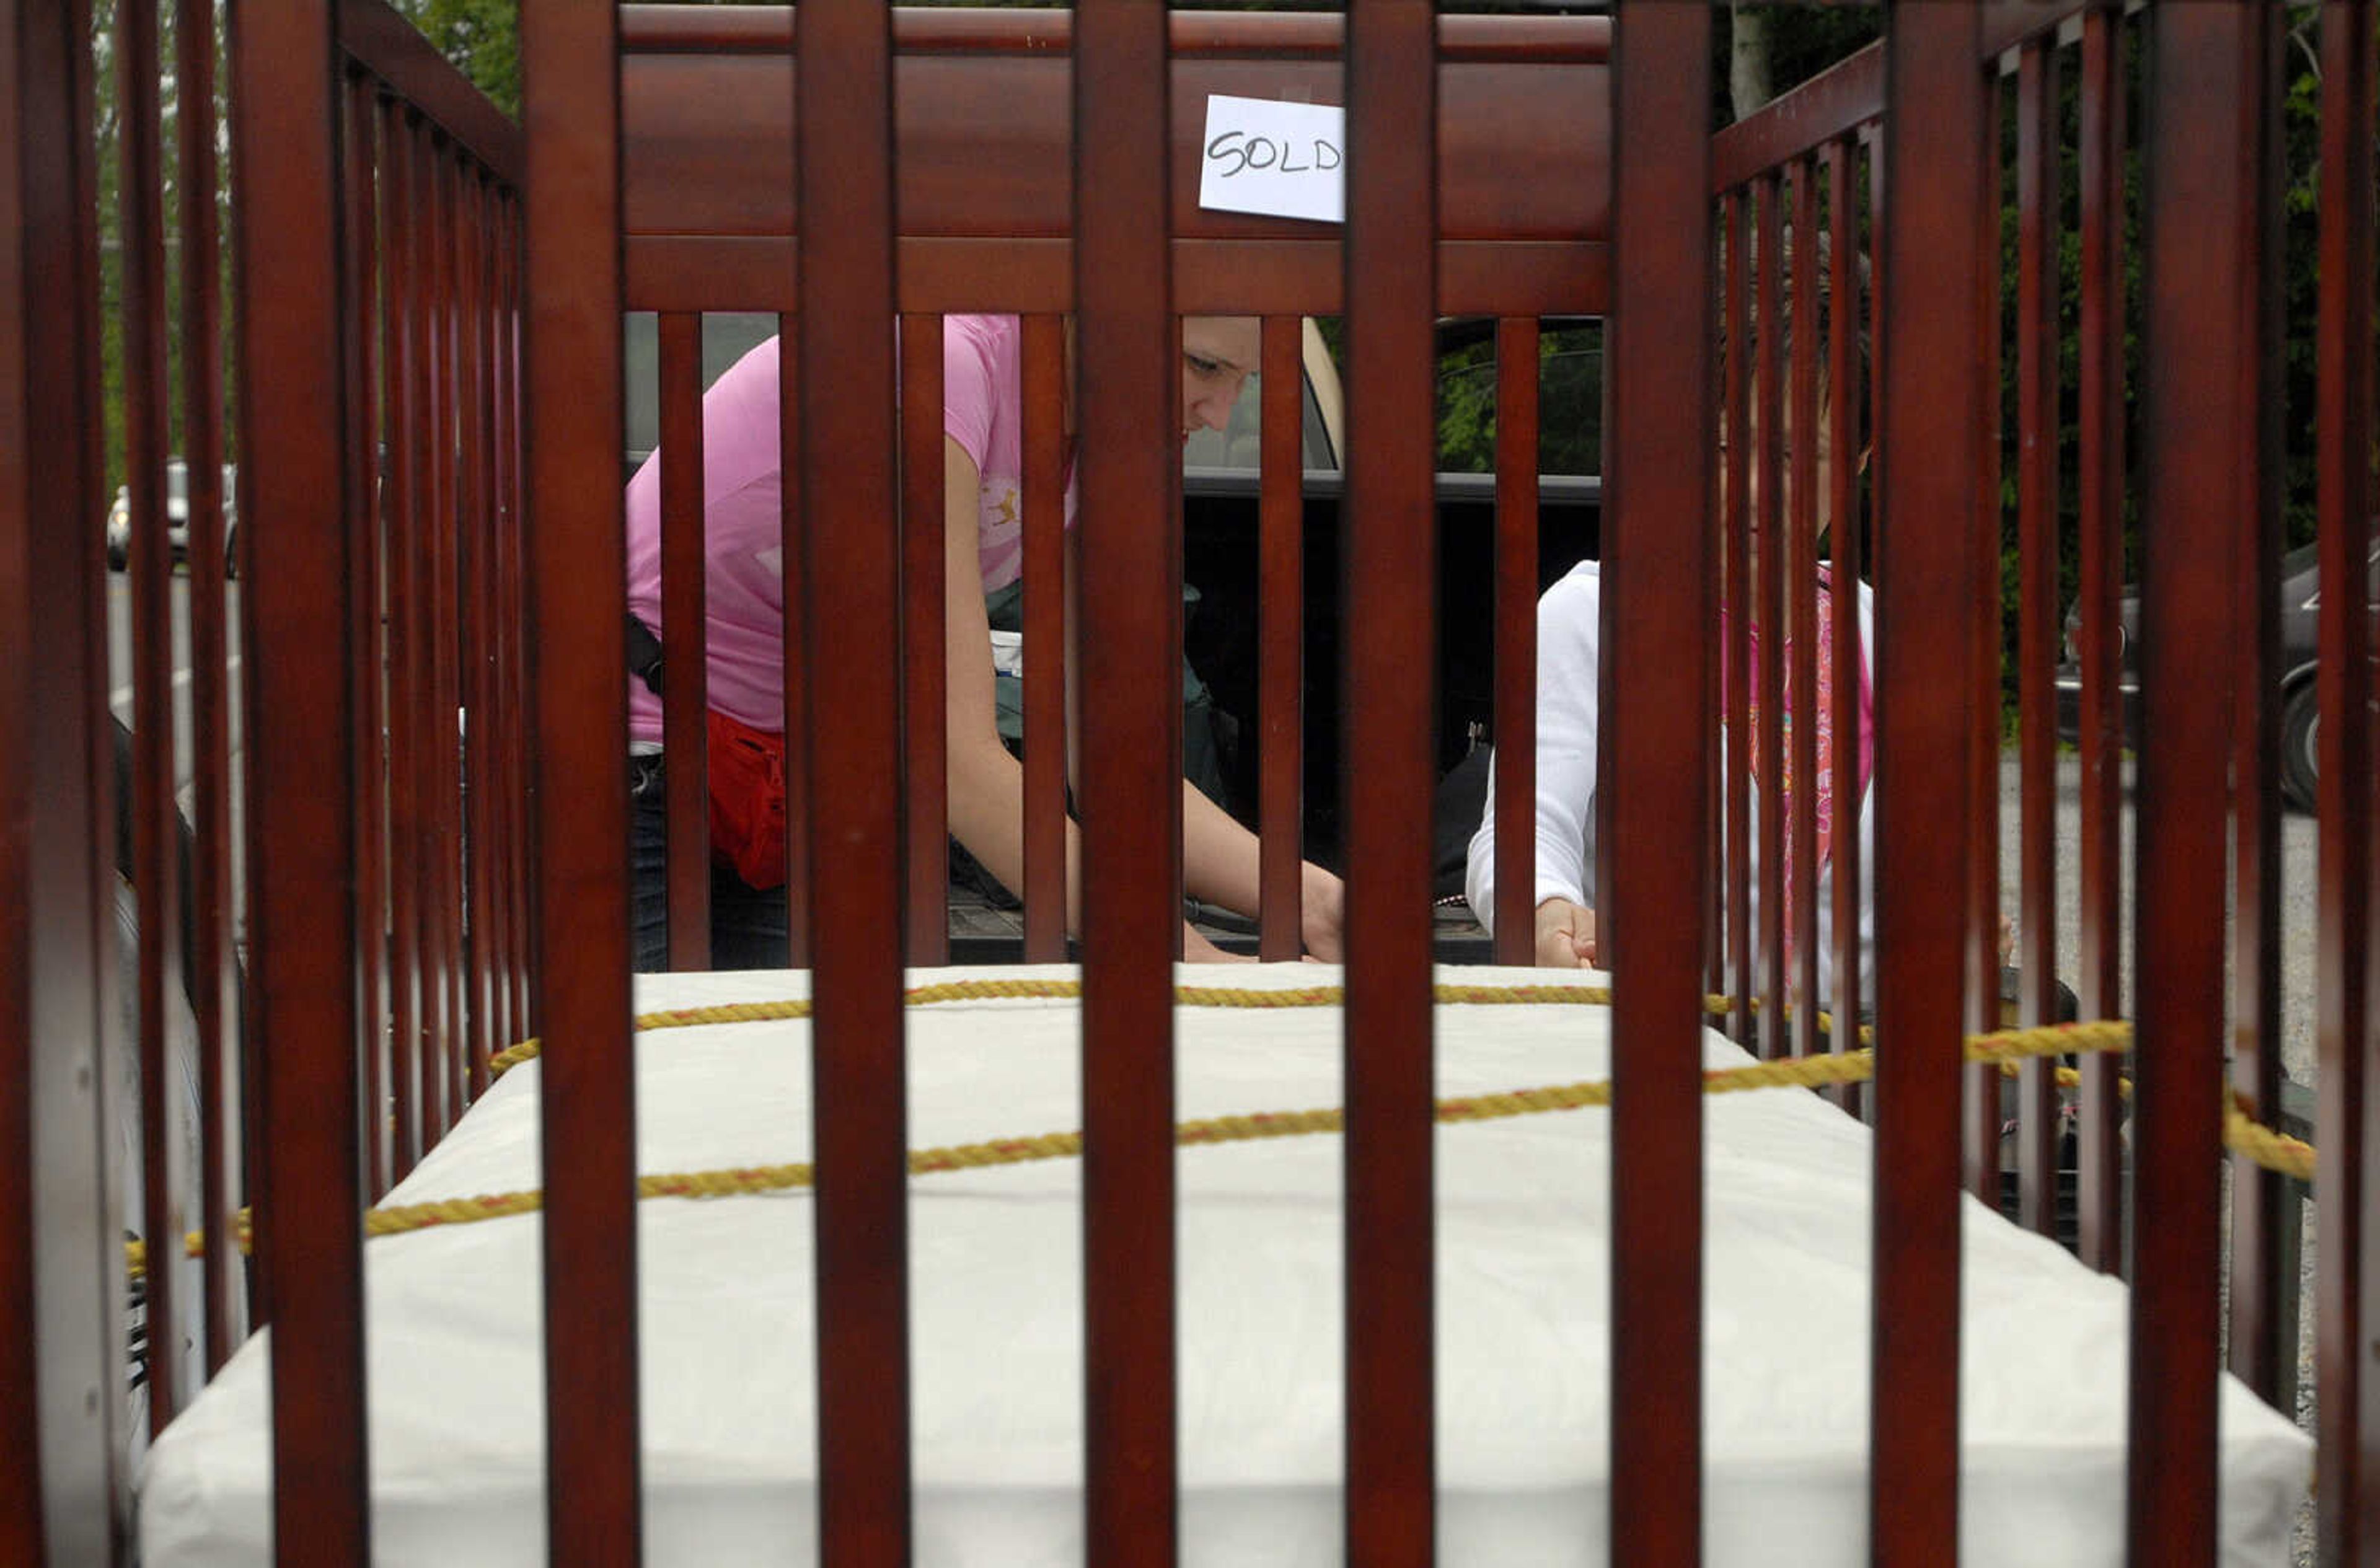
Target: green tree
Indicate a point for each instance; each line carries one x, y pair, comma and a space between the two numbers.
482, 37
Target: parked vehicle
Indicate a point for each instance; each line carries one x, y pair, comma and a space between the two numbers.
177, 517
1219, 486
2300, 600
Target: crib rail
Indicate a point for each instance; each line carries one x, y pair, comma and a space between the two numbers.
61, 1352
2206, 776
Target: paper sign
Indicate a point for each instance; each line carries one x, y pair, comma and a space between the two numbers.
1284, 160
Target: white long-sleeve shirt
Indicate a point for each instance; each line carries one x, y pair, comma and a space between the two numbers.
1569, 630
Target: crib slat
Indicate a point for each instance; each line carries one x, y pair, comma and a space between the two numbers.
1280, 641
438, 724
1659, 574
2259, 1340
685, 712
843, 72
1934, 132
362, 438
1515, 803
520, 831
1391, 564
155, 868
2100, 482
212, 966
404, 315
1979, 621
2347, 1020
1846, 373
1130, 391
472, 630
60, 1292
2037, 504
795, 643
480, 615
1734, 660
429, 503
1799, 564
925, 663
2203, 472
1766, 556
576, 571
1045, 653
286, 146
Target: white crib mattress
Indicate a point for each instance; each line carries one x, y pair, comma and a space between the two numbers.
455, 1374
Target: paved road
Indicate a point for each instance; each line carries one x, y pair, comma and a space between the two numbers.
2296, 903
2297, 897
120, 666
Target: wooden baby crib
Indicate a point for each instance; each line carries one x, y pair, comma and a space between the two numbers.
429, 671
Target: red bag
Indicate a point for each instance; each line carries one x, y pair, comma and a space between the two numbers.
747, 801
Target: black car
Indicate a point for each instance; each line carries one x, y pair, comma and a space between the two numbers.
2300, 597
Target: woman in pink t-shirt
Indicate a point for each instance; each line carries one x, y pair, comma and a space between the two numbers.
743, 488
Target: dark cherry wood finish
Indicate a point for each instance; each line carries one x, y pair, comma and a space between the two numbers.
1977, 621
1846, 374
850, 532
285, 160
1281, 599
577, 565
2347, 1014
2036, 480
686, 740
1129, 397
1763, 611
796, 645
1046, 592
1390, 563
156, 871
1933, 138
1516, 801
1736, 591
2260, 1342
1798, 564
360, 190
2201, 468
925, 678
2098, 870
63, 1490
422, 922
1660, 592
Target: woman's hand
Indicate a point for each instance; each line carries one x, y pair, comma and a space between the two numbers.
1322, 900
1565, 935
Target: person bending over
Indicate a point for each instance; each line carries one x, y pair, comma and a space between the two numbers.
743, 486
1569, 637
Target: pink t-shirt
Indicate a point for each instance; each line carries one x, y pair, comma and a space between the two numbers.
744, 489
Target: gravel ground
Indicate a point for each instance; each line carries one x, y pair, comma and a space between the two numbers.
2298, 844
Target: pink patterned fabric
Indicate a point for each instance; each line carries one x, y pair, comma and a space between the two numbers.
1824, 803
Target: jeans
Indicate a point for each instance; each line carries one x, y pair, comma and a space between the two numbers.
748, 924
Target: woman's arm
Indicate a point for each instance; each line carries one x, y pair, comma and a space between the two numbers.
1567, 676
987, 784
1221, 863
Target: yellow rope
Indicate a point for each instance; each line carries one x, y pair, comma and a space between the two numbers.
2006, 1049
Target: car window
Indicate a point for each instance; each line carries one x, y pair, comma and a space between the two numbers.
1570, 413
1239, 444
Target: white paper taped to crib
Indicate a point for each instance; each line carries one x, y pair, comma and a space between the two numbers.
1278, 159
454, 1325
